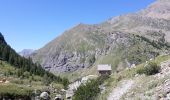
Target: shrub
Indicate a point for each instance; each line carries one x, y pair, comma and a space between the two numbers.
65, 82
26, 74
91, 60
150, 69
90, 90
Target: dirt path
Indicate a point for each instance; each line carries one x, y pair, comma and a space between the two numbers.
118, 92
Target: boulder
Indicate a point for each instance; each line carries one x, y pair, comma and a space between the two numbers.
168, 96
44, 96
167, 86
58, 97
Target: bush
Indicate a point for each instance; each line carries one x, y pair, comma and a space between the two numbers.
150, 69
26, 74
65, 82
91, 60
90, 90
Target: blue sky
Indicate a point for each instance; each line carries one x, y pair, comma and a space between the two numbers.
30, 24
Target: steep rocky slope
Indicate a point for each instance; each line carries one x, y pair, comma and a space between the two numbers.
120, 41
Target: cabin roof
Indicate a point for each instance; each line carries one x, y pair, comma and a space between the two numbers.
104, 67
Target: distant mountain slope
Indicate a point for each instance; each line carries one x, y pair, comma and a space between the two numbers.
26, 52
120, 41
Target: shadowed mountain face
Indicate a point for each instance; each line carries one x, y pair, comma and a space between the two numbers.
119, 41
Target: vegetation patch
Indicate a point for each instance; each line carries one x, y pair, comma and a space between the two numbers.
150, 69
24, 67
13, 91
90, 90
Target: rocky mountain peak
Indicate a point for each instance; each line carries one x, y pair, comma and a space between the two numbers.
159, 9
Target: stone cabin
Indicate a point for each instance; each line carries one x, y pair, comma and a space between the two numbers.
104, 69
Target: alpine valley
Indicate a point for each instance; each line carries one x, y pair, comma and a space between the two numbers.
123, 58
121, 41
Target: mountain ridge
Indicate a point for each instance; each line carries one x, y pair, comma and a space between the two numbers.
118, 38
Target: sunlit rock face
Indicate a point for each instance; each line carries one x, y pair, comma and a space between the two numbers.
159, 9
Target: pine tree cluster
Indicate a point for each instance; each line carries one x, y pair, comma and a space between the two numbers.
25, 65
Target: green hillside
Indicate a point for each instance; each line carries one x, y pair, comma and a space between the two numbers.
20, 77
144, 85
14, 86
